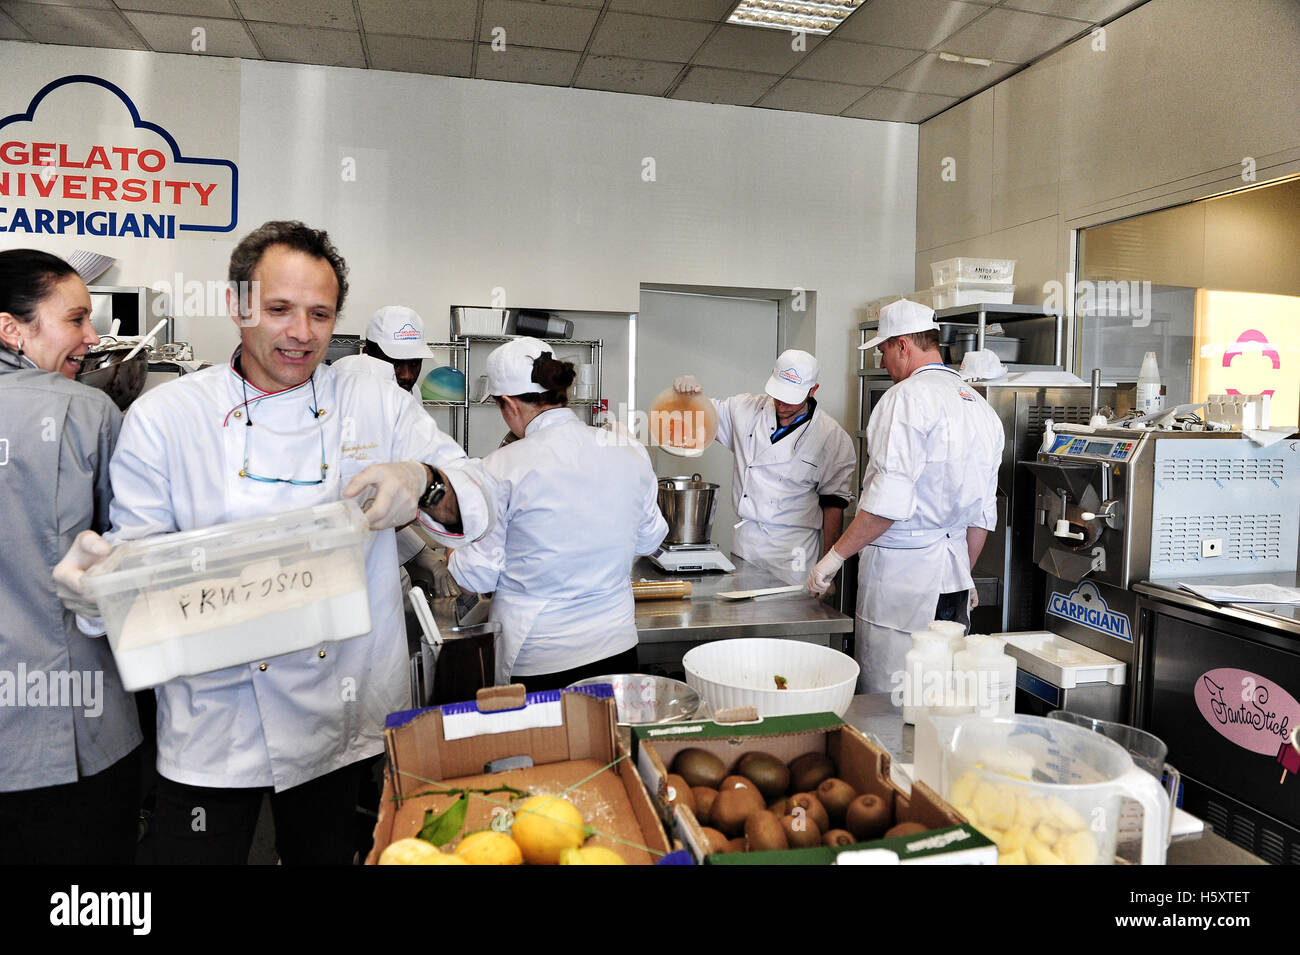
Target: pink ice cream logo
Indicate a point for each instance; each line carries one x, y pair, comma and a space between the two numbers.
406, 333
1246, 709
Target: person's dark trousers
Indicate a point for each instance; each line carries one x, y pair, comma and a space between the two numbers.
94, 821
955, 607
625, 662
200, 825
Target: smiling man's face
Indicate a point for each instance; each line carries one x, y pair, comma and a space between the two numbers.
289, 332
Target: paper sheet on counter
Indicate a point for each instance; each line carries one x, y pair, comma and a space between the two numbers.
1245, 593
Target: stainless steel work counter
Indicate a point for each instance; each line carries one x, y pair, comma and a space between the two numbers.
668, 628
1284, 618
876, 716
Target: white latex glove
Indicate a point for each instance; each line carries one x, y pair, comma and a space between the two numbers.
974, 600
398, 486
686, 384
86, 551
434, 566
823, 572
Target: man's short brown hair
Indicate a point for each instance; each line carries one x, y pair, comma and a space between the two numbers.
927, 340
294, 235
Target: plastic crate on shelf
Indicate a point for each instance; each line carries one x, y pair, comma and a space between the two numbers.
972, 293
973, 270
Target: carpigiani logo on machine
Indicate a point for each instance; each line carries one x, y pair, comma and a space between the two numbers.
1087, 607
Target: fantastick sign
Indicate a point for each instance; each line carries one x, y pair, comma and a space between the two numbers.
81, 160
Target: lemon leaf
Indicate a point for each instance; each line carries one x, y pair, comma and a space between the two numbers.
443, 827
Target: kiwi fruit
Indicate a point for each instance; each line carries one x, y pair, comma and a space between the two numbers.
838, 837
812, 809
764, 832
737, 782
781, 807
733, 807
868, 817
906, 829
808, 771
801, 833
699, 767
738, 844
704, 797
679, 793
766, 772
835, 795
716, 841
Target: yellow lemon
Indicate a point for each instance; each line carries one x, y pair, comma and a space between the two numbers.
415, 852
545, 826
489, 848
591, 855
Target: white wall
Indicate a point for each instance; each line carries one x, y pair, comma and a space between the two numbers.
464, 186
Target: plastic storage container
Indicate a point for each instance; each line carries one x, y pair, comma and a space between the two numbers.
972, 293
203, 600
986, 676
973, 270
927, 666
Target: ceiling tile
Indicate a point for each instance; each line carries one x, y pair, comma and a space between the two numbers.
933, 75
292, 44
537, 24
75, 26
896, 106
197, 8
754, 48
408, 54
627, 76
444, 19
863, 64
521, 64
10, 30
335, 14
649, 38
916, 24
811, 96
175, 34
1012, 36
704, 84
96, 4
713, 10
1094, 11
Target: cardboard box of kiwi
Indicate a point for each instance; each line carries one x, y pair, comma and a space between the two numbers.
568, 736
832, 784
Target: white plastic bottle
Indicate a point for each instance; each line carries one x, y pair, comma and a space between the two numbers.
986, 676
954, 631
926, 667
1148, 386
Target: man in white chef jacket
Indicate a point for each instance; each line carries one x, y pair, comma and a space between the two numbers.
272, 431
794, 464
928, 498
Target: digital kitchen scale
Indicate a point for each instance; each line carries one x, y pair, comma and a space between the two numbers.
680, 558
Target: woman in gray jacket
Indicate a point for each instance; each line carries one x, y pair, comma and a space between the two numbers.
70, 773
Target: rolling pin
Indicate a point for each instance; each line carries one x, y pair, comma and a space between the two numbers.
660, 589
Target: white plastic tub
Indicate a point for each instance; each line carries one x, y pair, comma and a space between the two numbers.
973, 270
972, 293
197, 601
742, 672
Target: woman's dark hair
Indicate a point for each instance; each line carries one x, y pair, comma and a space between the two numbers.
555, 376
27, 276
295, 235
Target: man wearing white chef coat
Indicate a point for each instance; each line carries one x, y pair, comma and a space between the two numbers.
928, 498
272, 431
794, 467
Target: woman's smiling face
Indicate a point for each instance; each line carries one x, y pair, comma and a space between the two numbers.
60, 332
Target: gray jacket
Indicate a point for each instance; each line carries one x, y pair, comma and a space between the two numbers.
63, 712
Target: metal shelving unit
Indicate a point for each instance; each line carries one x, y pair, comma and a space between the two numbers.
462, 349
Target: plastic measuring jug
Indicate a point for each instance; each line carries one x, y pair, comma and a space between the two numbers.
1046, 791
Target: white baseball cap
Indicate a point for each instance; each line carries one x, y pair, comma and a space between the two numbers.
903, 318
793, 376
510, 367
399, 333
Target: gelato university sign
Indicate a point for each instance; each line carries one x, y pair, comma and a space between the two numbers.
82, 161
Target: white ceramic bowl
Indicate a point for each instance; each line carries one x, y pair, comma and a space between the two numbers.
730, 673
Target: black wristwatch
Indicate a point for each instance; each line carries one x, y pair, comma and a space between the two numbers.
434, 493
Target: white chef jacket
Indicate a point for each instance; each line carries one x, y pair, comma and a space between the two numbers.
776, 488
575, 505
935, 446
176, 468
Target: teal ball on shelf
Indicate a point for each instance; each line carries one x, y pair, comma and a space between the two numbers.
444, 383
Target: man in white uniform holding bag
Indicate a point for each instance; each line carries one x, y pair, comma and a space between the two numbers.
928, 498
273, 431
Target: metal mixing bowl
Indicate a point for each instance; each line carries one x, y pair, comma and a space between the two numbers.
107, 369
643, 699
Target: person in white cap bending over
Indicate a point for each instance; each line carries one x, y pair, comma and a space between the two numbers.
794, 466
928, 498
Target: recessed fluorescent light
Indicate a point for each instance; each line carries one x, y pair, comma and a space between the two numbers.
972, 60
806, 16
